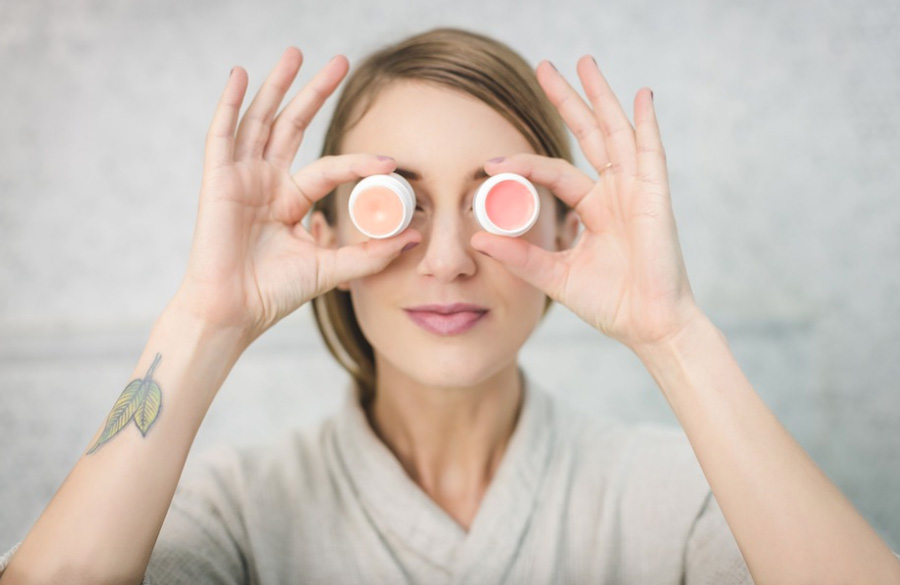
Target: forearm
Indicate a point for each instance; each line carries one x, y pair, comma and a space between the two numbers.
791, 523
103, 522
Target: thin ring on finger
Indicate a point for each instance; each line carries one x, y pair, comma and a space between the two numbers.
608, 166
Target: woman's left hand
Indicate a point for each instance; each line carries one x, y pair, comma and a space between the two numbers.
625, 275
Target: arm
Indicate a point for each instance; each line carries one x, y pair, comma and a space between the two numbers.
791, 523
626, 277
711, 555
103, 522
251, 263
204, 538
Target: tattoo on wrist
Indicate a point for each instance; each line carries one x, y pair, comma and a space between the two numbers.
140, 402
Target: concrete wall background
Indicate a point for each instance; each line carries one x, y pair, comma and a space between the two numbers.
781, 126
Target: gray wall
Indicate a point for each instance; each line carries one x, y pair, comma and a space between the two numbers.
781, 126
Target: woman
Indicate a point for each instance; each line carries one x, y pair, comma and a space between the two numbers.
446, 465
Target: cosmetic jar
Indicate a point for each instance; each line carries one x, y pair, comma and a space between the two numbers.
506, 204
382, 206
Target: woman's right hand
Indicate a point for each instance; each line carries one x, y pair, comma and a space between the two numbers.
252, 261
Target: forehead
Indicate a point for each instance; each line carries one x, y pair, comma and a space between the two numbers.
423, 125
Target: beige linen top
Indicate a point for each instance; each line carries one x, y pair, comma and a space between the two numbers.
574, 500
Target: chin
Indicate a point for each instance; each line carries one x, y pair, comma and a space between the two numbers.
451, 378
450, 368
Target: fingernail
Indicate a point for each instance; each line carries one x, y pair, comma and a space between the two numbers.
383, 157
409, 246
230, 73
651, 94
497, 159
597, 65
554, 66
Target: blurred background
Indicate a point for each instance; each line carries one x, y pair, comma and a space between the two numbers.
782, 130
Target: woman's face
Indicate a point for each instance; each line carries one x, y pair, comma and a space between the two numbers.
444, 137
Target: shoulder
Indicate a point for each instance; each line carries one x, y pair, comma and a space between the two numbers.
645, 477
231, 497
648, 460
281, 466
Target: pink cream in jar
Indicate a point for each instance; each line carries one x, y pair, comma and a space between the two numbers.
382, 206
506, 204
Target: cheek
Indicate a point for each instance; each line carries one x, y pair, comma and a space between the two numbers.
523, 304
368, 295
346, 231
543, 232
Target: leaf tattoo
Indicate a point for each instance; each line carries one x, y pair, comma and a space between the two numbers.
140, 401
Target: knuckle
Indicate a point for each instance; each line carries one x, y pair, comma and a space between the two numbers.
299, 123
256, 117
586, 131
648, 178
317, 92
617, 130
564, 100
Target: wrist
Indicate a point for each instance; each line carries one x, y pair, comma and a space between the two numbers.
207, 350
685, 342
678, 331
183, 308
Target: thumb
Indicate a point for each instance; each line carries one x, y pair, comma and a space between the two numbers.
533, 264
359, 260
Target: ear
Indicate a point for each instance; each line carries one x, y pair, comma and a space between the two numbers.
325, 236
567, 230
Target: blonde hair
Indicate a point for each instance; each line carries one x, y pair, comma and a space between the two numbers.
448, 57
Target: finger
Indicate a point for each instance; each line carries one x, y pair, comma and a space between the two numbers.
575, 113
320, 178
220, 137
253, 131
561, 177
615, 125
651, 157
291, 123
363, 259
533, 264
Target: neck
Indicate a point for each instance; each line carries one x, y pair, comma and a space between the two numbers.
450, 440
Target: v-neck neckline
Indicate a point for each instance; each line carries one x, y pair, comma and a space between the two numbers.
408, 517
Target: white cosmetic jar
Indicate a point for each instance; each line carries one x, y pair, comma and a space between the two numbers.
506, 204
382, 206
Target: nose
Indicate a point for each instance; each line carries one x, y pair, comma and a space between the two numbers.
448, 255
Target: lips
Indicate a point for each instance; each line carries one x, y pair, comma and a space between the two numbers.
450, 319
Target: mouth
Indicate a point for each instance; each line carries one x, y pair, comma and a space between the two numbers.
452, 319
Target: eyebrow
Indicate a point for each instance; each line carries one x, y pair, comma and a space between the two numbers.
478, 173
